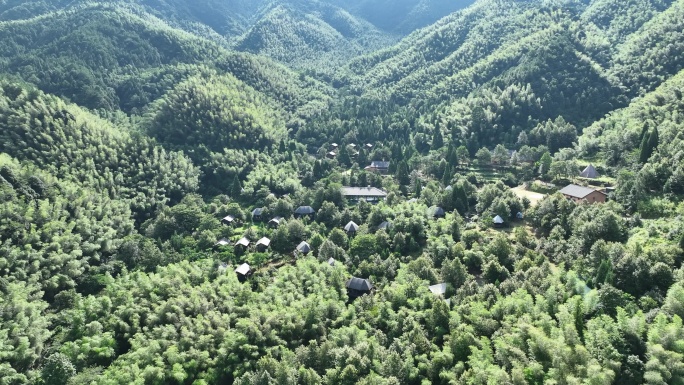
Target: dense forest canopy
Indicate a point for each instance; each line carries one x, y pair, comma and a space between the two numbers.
342, 192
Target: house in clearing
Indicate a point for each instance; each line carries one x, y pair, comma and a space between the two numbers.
369, 194
379, 166
356, 287
580, 193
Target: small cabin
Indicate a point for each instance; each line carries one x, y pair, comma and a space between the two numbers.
223, 242
243, 243
243, 272
351, 228
257, 214
275, 222
379, 166
263, 244
583, 194
331, 155
303, 211
303, 248
356, 287
228, 220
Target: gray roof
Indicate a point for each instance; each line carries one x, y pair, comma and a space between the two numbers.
303, 247
384, 225
304, 210
264, 241
276, 220
331, 261
359, 284
243, 269
436, 211
438, 289
242, 242
351, 226
380, 164
498, 220
576, 191
363, 192
589, 172
258, 211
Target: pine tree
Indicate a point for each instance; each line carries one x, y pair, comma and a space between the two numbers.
446, 178
437, 139
236, 188
644, 150
403, 173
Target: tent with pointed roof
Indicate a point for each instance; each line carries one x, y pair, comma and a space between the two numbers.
498, 220
590, 172
436, 212
304, 248
384, 225
351, 227
304, 210
222, 242
438, 289
257, 213
357, 287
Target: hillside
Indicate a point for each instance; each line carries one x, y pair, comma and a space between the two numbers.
337, 192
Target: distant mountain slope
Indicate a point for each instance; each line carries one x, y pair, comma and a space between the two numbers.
318, 38
104, 56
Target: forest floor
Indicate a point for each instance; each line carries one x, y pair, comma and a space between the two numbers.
534, 197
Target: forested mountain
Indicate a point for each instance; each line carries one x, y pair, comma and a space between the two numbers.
149, 149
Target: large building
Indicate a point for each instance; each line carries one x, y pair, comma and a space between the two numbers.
369, 194
580, 194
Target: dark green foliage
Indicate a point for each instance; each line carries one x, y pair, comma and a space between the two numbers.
115, 267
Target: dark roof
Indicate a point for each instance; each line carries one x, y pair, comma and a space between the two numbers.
576, 191
363, 192
258, 211
498, 220
243, 269
351, 226
589, 172
359, 284
380, 164
303, 247
436, 211
304, 210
